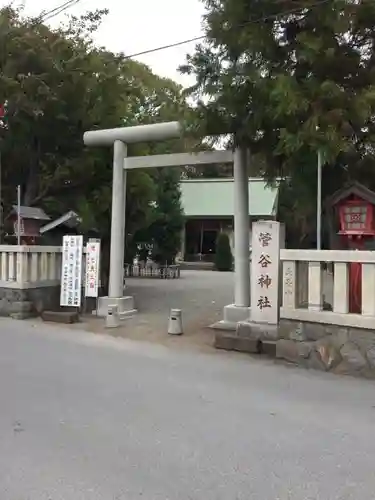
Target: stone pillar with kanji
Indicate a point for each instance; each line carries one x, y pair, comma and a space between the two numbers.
267, 239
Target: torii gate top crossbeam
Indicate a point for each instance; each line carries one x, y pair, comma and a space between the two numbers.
129, 135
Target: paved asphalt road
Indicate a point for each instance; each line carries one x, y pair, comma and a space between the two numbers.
87, 417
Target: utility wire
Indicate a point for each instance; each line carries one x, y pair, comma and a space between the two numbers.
202, 37
45, 16
58, 10
70, 3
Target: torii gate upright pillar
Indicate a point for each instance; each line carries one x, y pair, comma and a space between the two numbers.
240, 309
118, 138
116, 269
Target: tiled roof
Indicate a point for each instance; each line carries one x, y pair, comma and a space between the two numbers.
31, 213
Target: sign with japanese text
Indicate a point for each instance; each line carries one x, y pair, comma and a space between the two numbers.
265, 264
71, 271
92, 269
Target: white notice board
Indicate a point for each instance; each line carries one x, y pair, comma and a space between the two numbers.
92, 269
71, 271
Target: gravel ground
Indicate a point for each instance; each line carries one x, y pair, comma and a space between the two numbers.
201, 295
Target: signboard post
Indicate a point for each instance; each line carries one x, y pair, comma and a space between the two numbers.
92, 269
71, 271
265, 264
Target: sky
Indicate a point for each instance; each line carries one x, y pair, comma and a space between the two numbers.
134, 26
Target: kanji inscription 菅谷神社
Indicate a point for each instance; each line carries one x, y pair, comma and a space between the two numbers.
265, 271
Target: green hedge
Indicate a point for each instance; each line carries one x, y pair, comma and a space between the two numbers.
223, 256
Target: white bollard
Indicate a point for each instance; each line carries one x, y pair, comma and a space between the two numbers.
175, 322
112, 318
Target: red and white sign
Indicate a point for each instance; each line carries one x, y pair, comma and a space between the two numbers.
92, 269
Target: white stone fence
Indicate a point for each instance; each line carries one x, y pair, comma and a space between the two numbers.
24, 266
308, 286
32, 266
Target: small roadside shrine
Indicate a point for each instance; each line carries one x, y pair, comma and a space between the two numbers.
31, 220
351, 216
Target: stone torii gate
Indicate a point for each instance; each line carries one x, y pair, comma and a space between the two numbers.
118, 138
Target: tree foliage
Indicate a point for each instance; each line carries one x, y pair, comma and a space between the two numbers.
287, 78
164, 229
56, 85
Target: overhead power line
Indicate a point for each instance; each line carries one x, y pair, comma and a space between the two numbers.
46, 16
70, 3
313, 5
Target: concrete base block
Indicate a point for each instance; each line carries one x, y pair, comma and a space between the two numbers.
224, 325
125, 305
225, 342
261, 331
231, 342
252, 346
232, 314
65, 317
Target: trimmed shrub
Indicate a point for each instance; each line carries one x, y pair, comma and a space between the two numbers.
223, 256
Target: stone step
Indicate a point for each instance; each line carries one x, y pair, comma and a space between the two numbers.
231, 342
224, 341
65, 317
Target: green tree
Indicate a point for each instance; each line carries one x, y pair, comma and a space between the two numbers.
56, 85
223, 255
164, 229
288, 78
